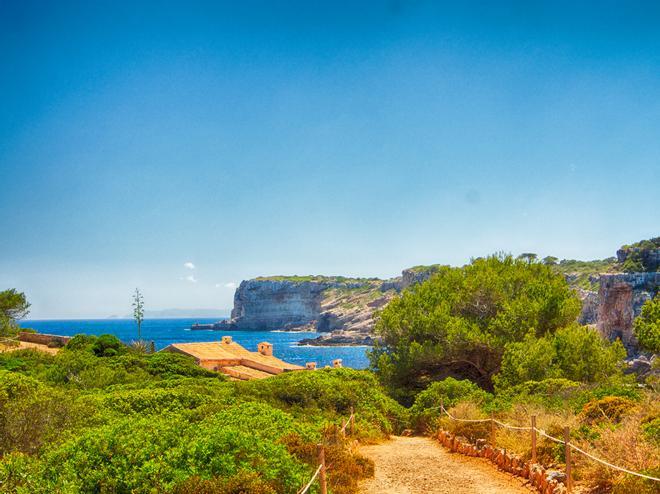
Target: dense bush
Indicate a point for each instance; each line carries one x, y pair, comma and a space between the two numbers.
425, 411
458, 323
577, 353
647, 326
157, 453
86, 421
610, 408
331, 393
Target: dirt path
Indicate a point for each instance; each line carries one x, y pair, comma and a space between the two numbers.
419, 465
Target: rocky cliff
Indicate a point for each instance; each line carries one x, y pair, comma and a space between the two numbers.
276, 304
341, 308
619, 301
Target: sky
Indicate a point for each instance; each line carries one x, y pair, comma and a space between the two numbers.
181, 147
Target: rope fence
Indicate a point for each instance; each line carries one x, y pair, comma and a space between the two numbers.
311, 481
321, 470
566, 442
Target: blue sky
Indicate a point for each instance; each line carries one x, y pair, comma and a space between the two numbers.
357, 138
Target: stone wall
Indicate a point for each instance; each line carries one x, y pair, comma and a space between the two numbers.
43, 339
544, 480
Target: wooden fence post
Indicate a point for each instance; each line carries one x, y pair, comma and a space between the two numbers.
567, 454
322, 479
492, 430
533, 438
352, 421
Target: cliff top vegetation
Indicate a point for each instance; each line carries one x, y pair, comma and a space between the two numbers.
640, 256
318, 279
584, 274
424, 267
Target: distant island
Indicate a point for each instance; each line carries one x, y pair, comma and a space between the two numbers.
180, 314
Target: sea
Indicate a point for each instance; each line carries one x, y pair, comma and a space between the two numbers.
164, 332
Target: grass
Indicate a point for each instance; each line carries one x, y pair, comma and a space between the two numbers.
614, 424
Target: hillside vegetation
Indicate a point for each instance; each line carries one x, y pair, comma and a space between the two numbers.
498, 319
498, 338
99, 417
318, 279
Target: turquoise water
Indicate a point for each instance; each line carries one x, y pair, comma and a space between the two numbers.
166, 331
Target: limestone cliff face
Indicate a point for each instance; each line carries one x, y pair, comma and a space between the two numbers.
323, 305
278, 304
414, 276
344, 309
620, 300
590, 303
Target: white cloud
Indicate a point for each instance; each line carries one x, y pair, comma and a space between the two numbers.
231, 284
190, 278
188, 265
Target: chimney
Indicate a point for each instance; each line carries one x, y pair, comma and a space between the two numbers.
226, 340
310, 366
265, 348
337, 363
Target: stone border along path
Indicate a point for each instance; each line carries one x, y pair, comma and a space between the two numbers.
419, 465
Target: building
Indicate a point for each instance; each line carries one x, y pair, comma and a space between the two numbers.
232, 359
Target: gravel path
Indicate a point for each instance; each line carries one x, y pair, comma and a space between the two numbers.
419, 465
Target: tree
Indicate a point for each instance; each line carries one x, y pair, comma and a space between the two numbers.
458, 323
528, 256
647, 326
13, 306
138, 311
550, 260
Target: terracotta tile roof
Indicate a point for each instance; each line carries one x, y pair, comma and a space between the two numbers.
209, 350
243, 373
233, 357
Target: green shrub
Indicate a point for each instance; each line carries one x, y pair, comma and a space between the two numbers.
647, 326
167, 365
32, 414
329, 393
611, 409
141, 454
108, 345
651, 430
577, 353
81, 342
425, 411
